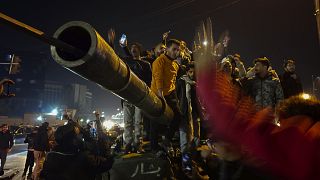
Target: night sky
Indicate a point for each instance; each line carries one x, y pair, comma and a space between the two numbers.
272, 28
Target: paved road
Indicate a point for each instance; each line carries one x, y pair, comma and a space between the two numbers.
15, 161
18, 148
14, 165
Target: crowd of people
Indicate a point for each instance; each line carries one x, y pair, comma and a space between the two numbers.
68, 152
171, 70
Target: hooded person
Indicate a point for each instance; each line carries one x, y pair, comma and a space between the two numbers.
70, 159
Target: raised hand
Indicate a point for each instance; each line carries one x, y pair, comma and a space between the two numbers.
111, 36
165, 35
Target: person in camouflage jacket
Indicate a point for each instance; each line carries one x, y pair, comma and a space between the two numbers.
264, 88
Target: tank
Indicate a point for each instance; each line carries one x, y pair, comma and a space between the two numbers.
100, 64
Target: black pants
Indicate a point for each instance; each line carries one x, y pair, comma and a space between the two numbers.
29, 162
172, 102
3, 157
173, 127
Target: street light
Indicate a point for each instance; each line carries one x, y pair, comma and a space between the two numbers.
39, 118
205, 43
305, 96
108, 124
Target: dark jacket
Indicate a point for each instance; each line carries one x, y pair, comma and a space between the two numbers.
41, 142
290, 86
6, 140
80, 166
141, 68
30, 140
266, 92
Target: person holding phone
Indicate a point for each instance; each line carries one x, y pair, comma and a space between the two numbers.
133, 117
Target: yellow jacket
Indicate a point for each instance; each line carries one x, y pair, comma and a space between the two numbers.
164, 74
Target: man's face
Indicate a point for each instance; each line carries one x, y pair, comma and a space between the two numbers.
225, 41
191, 73
160, 50
237, 58
260, 68
183, 45
227, 68
135, 51
291, 67
173, 51
5, 128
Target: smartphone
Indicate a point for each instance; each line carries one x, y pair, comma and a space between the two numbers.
123, 39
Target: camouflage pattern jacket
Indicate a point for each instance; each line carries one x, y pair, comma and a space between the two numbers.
266, 92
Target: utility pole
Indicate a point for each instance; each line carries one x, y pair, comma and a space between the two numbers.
315, 89
317, 14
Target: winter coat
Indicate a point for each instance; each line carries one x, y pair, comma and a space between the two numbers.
141, 68
266, 92
6, 140
41, 141
290, 86
30, 140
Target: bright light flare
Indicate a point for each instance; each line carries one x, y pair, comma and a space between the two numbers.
39, 118
108, 124
205, 43
54, 112
305, 96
